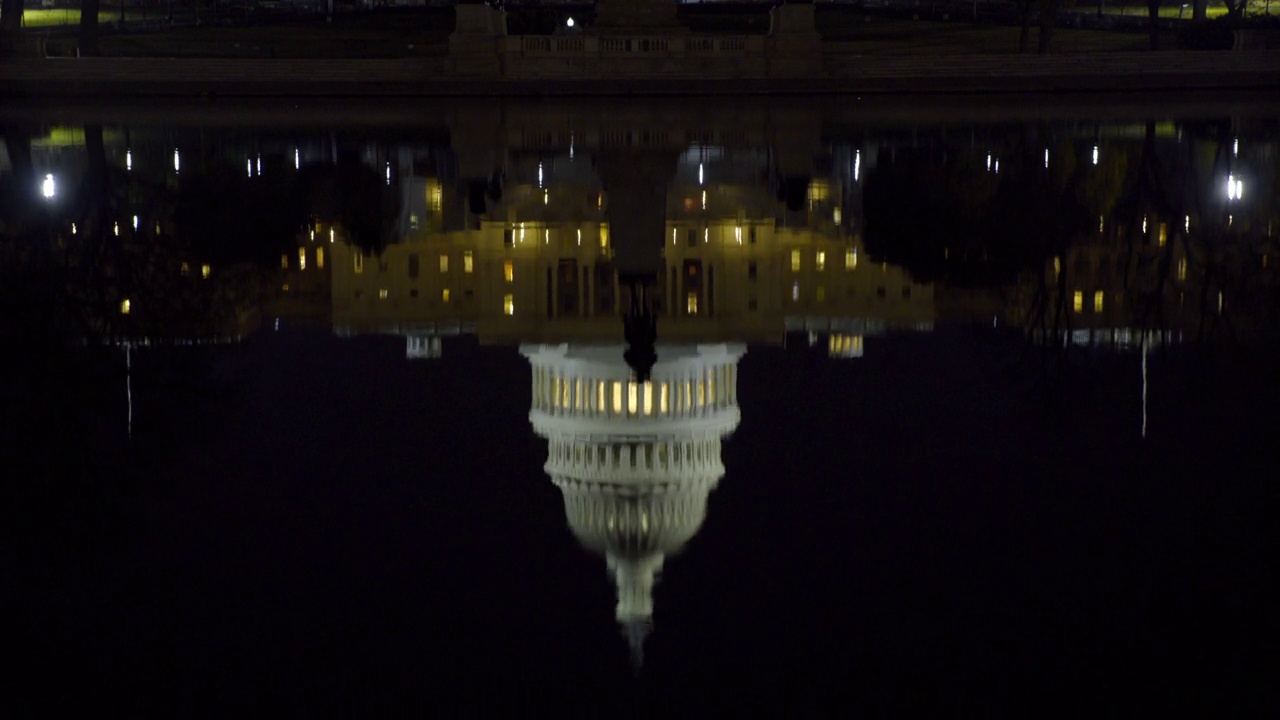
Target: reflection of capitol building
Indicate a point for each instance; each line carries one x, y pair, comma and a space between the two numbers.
635, 462
521, 282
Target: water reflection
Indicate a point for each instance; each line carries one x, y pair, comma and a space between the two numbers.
543, 228
635, 461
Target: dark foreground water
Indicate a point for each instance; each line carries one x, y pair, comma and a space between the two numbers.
1001, 427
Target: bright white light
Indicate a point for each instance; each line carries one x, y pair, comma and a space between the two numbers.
128, 159
546, 197
857, 164
73, 228
259, 164
706, 235
1235, 188
569, 22
997, 167
699, 173
704, 199
248, 167
1235, 147
48, 188
579, 236
177, 161
1187, 224
388, 173
1095, 154
297, 159
737, 234
115, 228
1046, 158
539, 174
330, 236
988, 161
135, 222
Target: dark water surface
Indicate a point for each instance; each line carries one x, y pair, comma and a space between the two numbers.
980, 416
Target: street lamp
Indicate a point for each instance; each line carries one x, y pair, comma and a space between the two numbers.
48, 188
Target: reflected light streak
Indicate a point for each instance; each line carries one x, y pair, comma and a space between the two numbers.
128, 384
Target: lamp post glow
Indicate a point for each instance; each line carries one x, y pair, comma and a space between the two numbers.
48, 188
569, 22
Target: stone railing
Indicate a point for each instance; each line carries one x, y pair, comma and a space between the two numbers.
613, 55
576, 47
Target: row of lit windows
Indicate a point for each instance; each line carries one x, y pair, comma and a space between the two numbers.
468, 263
553, 391
820, 259
508, 300
1077, 301
302, 260
516, 235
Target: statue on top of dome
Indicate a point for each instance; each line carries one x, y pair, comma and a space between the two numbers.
640, 326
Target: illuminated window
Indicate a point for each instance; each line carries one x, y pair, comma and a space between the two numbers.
124, 306
795, 261
1182, 268
631, 398
509, 304
433, 196
604, 237
382, 293
819, 191
617, 397
508, 271
795, 292
702, 393
820, 294
850, 259
302, 258
1097, 301
691, 304
835, 216
358, 260
820, 260
319, 258
663, 400
1162, 234
468, 263
284, 262
600, 396
1077, 301
444, 295
205, 270
186, 269
444, 263
648, 398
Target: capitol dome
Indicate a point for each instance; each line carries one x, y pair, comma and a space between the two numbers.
634, 462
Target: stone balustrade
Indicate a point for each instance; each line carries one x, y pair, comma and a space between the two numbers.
631, 55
